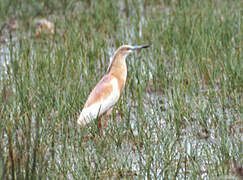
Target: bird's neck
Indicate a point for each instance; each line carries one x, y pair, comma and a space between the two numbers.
118, 68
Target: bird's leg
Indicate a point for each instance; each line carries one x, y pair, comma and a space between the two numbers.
100, 126
104, 124
108, 112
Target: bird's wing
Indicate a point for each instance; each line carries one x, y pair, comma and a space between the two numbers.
105, 95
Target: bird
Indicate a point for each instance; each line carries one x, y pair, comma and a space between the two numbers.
107, 92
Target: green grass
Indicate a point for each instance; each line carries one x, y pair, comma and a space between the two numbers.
180, 114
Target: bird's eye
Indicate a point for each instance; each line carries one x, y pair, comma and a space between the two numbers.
126, 49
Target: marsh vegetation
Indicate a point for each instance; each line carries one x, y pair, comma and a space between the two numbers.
180, 114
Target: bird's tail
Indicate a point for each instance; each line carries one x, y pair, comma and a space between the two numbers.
83, 119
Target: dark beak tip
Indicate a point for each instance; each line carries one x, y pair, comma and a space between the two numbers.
146, 46
141, 47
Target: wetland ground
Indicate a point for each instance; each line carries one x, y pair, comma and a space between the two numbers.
180, 115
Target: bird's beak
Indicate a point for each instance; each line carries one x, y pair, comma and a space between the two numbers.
140, 47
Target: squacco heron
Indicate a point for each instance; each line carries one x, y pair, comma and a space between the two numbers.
108, 90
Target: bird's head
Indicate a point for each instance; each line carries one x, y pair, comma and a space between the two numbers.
125, 50
121, 54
